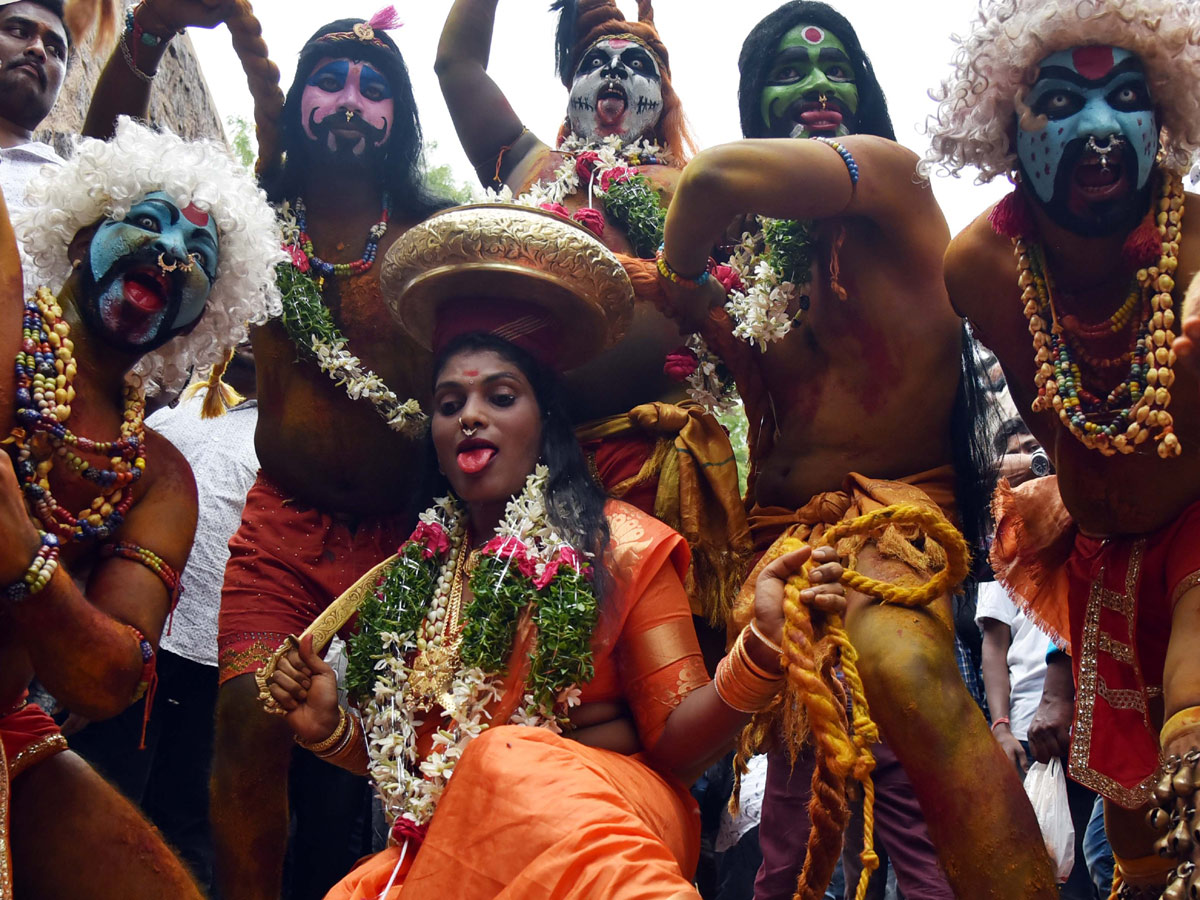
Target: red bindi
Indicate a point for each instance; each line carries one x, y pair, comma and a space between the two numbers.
195, 215
1093, 63
470, 373
813, 34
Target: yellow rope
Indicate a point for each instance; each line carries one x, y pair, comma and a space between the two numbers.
840, 753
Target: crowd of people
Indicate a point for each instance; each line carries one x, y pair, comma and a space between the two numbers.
361, 545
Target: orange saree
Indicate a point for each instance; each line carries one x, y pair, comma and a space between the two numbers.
530, 814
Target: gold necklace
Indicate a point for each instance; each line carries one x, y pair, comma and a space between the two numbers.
435, 666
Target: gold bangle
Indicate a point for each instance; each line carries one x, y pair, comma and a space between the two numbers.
1183, 720
762, 637
744, 657
346, 741
741, 684
319, 747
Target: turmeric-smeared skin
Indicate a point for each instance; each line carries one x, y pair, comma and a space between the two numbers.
918, 699
74, 835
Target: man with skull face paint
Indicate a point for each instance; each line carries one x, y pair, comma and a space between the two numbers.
146, 289
630, 414
1075, 109
871, 347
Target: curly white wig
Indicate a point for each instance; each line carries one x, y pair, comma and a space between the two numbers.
103, 179
1009, 38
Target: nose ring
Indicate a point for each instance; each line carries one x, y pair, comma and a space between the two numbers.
467, 432
349, 115
171, 267
824, 100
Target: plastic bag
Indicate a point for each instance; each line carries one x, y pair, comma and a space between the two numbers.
1046, 785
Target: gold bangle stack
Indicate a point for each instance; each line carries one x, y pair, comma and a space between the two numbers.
324, 747
741, 683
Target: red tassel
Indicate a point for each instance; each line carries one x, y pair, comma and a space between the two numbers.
1143, 247
1010, 217
385, 20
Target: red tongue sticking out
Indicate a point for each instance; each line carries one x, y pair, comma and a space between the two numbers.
610, 109
143, 296
816, 119
476, 459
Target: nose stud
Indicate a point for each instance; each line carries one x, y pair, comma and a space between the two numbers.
824, 101
467, 432
349, 115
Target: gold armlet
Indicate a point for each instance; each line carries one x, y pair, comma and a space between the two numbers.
1182, 721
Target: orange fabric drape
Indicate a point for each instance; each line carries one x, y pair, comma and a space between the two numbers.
529, 814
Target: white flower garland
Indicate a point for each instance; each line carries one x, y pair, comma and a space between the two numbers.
335, 360
707, 385
409, 786
760, 309
611, 153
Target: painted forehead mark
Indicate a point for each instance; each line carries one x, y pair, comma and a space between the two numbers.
1093, 63
618, 43
339, 67
195, 215
813, 34
470, 373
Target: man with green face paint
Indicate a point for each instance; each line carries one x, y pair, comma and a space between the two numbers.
863, 396
810, 89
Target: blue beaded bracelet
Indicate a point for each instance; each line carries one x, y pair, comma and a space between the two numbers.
846, 155
133, 29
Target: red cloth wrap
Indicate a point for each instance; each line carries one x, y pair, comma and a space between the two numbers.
1109, 603
29, 735
287, 562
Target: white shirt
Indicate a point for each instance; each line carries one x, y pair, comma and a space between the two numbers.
1026, 655
18, 166
221, 454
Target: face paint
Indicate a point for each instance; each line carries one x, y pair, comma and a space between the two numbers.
617, 90
811, 64
347, 106
149, 275
1087, 137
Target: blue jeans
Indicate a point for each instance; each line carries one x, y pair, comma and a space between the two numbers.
1096, 851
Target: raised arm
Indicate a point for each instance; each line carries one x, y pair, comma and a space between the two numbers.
486, 124
123, 92
84, 648
801, 179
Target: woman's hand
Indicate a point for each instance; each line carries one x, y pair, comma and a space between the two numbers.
825, 594
306, 687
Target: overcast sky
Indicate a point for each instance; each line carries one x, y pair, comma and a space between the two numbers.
909, 44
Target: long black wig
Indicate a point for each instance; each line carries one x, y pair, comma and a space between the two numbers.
762, 44
574, 501
401, 171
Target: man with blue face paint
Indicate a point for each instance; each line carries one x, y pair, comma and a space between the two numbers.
1095, 117
124, 298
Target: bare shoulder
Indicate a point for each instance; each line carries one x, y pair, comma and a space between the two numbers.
168, 474
974, 266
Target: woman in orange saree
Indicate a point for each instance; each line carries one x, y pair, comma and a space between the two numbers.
532, 640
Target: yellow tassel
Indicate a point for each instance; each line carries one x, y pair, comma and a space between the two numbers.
220, 396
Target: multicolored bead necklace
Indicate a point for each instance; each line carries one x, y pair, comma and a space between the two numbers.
45, 372
1136, 409
374, 236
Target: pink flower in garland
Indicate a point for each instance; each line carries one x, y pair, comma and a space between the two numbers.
680, 364
728, 278
556, 208
616, 175
433, 539
547, 573
585, 164
509, 548
591, 219
299, 259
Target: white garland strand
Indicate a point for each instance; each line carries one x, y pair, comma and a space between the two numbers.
409, 786
760, 311
347, 371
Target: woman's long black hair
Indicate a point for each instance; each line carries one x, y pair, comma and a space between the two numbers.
574, 502
762, 45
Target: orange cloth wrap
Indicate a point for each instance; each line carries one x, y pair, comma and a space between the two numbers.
1109, 602
770, 525
529, 814
674, 461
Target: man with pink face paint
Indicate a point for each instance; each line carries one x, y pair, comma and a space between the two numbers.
337, 467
